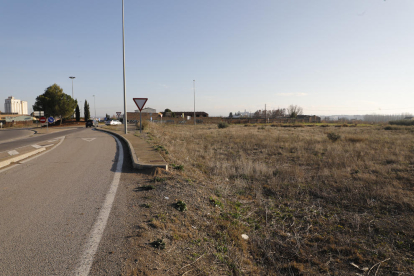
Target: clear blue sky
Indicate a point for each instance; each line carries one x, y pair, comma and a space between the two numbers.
330, 57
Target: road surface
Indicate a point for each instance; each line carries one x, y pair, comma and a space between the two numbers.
54, 208
14, 134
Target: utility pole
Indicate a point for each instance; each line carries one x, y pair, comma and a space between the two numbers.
265, 115
94, 105
194, 102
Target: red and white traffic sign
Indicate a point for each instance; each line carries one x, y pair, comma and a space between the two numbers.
118, 113
140, 102
42, 120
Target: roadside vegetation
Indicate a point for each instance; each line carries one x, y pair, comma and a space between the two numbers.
273, 200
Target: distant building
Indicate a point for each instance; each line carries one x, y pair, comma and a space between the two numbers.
147, 110
190, 113
409, 118
309, 118
15, 106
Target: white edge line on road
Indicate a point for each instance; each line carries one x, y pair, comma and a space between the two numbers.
34, 157
95, 236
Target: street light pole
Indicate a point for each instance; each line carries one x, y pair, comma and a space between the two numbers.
71, 77
94, 105
72, 84
80, 109
123, 55
194, 102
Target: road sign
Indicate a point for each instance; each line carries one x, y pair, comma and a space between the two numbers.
42, 120
38, 113
117, 114
140, 102
50, 120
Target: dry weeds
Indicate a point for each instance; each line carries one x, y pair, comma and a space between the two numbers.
309, 206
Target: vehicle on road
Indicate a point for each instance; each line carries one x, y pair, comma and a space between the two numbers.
113, 122
91, 123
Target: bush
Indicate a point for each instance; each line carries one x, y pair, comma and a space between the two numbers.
402, 122
159, 243
177, 167
223, 125
333, 136
145, 125
181, 206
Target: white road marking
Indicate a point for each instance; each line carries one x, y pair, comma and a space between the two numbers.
98, 228
13, 152
37, 146
45, 146
34, 157
88, 139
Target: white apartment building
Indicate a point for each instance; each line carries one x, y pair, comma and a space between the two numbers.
15, 106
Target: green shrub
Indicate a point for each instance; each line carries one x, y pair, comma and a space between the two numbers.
223, 125
147, 188
333, 136
159, 179
181, 206
159, 243
216, 202
177, 167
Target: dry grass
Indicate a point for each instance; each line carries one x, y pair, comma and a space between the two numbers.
308, 205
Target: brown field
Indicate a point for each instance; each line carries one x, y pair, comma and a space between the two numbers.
310, 206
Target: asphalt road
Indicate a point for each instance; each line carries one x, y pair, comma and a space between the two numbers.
51, 208
14, 134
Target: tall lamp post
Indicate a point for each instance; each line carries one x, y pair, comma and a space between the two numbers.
123, 56
80, 109
72, 84
94, 105
71, 77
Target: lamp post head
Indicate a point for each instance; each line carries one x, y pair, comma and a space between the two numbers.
71, 77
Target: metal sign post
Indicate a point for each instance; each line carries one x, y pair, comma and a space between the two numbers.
140, 102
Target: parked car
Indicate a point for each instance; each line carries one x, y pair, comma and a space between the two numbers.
113, 122
91, 123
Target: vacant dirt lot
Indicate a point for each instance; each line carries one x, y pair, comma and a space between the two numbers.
274, 200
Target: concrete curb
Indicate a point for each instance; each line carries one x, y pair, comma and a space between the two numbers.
135, 161
20, 157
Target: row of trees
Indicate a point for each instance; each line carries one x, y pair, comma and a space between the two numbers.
54, 102
292, 112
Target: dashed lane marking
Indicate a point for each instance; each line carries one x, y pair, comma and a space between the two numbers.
13, 152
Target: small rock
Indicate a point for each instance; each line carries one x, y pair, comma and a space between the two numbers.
245, 237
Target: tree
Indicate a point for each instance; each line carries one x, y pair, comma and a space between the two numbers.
55, 103
293, 111
86, 111
77, 112
231, 115
107, 116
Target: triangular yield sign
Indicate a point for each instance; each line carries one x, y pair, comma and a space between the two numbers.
88, 139
140, 102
